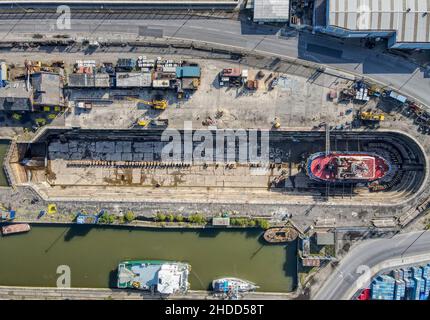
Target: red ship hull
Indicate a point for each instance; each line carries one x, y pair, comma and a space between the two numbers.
347, 167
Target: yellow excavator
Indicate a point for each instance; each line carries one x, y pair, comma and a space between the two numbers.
370, 116
158, 102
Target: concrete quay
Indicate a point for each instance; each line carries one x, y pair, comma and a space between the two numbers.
44, 293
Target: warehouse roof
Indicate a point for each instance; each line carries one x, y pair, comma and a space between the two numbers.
188, 72
410, 19
47, 88
325, 238
271, 10
133, 79
85, 80
15, 97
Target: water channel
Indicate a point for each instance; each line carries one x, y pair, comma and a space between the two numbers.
93, 254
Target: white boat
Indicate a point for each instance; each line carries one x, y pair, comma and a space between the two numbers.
165, 277
225, 285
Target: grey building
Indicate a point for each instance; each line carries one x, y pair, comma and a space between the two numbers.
133, 79
85, 80
271, 10
405, 23
15, 97
47, 89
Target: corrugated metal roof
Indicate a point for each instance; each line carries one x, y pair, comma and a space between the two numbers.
325, 238
15, 97
47, 88
271, 10
188, 72
133, 79
409, 18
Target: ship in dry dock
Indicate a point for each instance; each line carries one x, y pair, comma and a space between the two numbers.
351, 167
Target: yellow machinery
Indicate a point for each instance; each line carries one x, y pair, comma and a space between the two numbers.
375, 90
52, 208
143, 122
276, 123
370, 116
156, 103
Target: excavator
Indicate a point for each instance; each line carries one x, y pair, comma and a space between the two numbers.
158, 102
371, 116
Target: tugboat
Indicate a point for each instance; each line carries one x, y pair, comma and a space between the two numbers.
15, 228
280, 234
350, 167
233, 285
164, 277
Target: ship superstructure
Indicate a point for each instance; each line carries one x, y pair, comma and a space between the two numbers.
164, 277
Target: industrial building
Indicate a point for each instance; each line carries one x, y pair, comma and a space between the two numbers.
133, 79
404, 23
86, 80
271, 10
15, 96
47, 89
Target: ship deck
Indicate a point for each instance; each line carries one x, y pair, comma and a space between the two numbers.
353, 167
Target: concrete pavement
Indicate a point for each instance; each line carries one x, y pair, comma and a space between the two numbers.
347, 277
341, 54
43, 293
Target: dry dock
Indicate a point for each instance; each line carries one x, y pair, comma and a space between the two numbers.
128, 166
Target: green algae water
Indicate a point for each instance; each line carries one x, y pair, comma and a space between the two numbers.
4, 145
93, 253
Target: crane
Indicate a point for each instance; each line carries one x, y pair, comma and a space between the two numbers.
158, 102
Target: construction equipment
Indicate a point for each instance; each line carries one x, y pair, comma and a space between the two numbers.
158, 102
276, 123
52, 208
375, 91
371, 116
143, 122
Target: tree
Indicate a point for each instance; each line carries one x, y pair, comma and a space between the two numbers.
129, 216
263, 223
251, 223
179, 218
170, 218
107, 218
197, 218
160, 217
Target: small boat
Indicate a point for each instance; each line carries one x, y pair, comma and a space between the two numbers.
164, 277
280, 234
227, 285
15, 228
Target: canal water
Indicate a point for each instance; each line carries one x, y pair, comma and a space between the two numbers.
93, 253
4, 144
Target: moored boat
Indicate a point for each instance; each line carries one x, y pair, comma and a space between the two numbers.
229, 285
347, 167
15, 228
164, 277
280, 234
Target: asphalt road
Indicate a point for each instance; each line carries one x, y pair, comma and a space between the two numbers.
370, 253
348, 56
